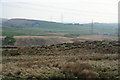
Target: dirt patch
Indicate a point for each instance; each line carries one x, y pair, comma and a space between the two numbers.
95, 38
40, 40
49, 40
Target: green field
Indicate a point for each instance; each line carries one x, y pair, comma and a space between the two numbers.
31, 31
25, 27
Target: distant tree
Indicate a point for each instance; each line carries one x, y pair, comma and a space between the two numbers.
9, 40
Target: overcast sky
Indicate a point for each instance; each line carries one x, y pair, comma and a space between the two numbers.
82, 11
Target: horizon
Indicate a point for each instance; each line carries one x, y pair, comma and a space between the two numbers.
61, 22
72, 11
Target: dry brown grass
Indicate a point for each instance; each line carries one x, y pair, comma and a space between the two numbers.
47, 62
81, 70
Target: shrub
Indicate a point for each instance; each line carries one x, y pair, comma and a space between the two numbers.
8, 40
79, 70
88, 74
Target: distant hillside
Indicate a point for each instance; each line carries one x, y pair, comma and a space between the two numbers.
25, 23
3, 20
103, 25
29, 27
38, 27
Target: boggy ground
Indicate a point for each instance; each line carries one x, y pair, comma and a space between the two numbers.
81, 60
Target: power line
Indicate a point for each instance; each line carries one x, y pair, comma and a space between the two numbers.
74, 12
63, 8
71, 12
51, 18
51, 6
92, 32
61, 18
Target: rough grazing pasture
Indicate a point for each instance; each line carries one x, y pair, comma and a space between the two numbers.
57, 38
81, 60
